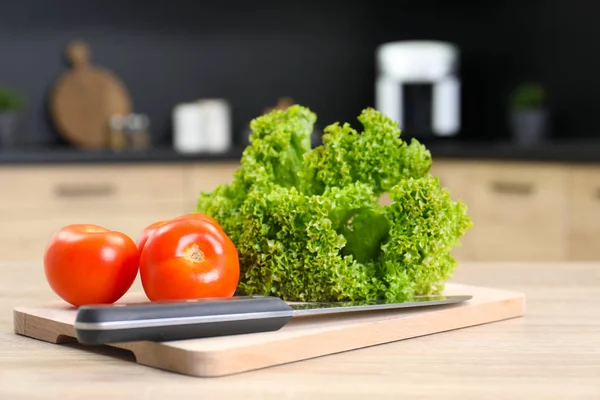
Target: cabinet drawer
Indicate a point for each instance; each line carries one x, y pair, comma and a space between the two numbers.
585, 204
70, 186
511, 242
584, 246
206, 177
25, 237
520, 193
519, 212
456, 177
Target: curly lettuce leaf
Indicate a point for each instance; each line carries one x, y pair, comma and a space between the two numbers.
307, 223
376, 156
425, 224
364, 229
278, 143
290, 247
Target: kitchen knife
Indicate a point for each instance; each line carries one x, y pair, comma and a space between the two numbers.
201, 318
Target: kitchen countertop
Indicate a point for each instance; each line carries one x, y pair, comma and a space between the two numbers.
557, 151
561, 152
73, 156
552, 352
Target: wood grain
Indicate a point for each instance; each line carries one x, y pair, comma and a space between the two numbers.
584, 213
519, 212
84, 99
584, 246
101, 187
125, 197
553, 352
456, 176
556, 220
301, 339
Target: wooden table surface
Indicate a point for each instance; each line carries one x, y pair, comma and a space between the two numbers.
551, 353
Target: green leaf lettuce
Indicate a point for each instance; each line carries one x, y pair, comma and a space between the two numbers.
308, 223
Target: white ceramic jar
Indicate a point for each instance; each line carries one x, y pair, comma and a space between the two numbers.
202, 126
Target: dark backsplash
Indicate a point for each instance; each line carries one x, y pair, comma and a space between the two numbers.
321, 53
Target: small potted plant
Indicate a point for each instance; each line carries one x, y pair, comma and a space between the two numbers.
10, 106
529, 114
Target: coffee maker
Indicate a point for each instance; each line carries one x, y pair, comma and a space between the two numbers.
418, 86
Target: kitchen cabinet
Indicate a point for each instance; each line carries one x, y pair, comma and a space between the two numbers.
526, 211
521, 211
456, 176
24, 237
584, 213
206, 177
36, 201
76, 187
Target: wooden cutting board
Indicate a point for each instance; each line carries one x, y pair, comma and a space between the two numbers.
85, 98
301, 339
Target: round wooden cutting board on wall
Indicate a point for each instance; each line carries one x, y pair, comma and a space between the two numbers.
85, 98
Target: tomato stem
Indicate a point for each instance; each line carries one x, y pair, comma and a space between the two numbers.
195, 254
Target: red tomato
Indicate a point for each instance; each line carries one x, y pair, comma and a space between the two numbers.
89, 264
149, 230
203, 217
189, 258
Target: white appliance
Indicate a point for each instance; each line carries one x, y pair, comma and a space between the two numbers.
418, 86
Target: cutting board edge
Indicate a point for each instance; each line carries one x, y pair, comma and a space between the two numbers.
28, 325
504, 305
227, 362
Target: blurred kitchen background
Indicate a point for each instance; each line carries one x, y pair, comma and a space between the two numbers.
120, 112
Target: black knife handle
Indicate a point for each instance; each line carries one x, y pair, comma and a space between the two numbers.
179, 320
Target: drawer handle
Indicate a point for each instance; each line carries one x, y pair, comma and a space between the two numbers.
85, 190
518, 188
